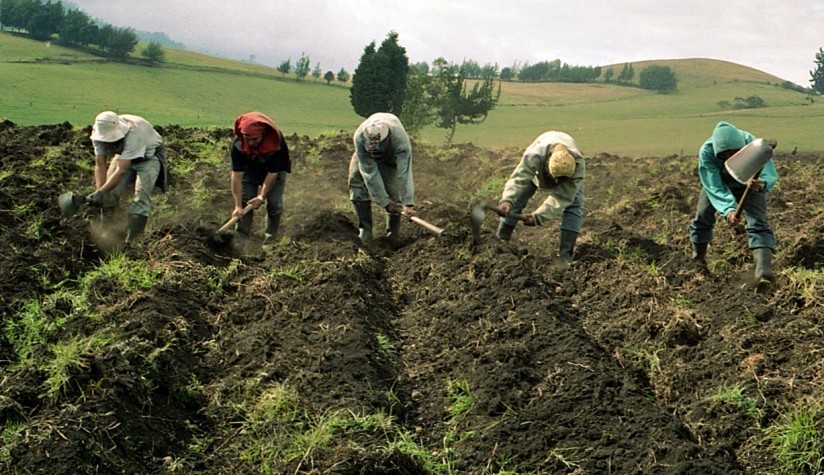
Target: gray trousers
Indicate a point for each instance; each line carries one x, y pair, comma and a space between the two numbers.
759, 232
571, 220
142, 175
357, 186
274, 201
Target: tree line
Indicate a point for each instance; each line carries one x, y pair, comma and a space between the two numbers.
73, 27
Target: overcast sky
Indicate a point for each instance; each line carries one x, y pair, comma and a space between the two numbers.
780, 37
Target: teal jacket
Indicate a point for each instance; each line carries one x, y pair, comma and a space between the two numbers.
715, 179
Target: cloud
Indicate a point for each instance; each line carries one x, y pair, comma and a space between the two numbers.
780, 38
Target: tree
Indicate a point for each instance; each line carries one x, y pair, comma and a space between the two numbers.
329, 77
77, 28
627, 73
658, 78
608, 75
154, 52
122, 42
458, 104
302, 67
419, 105
316, 72
508, 74
343, 75
285, 66
379, 81
45, 20
817, 76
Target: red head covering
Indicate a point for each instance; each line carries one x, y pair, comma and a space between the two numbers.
253, 123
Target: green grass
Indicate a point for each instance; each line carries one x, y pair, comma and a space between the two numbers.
192, 89
797, 442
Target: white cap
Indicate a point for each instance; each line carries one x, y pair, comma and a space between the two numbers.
108, 127
374, 133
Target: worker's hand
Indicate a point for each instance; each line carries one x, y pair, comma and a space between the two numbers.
505, 206
529, 220
756, 184
393, 208
733, 221
95, 199
237, 212
409, 211
257, 201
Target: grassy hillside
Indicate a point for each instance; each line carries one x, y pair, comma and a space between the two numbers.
51, 84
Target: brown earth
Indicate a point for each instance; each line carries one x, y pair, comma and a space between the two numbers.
611, 367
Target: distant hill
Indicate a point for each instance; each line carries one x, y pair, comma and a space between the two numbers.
49, 83
159, 37
700, 72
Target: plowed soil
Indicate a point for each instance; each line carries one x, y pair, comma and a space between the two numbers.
479, 357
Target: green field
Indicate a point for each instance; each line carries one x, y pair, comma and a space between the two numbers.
46, 83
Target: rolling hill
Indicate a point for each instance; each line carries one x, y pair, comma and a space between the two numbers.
51, 84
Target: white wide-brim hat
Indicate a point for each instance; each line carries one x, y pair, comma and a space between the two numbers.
108, 127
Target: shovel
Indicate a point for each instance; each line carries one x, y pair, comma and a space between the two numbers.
235, 219
479, 214
747, 164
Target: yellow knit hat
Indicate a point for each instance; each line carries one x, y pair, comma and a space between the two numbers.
561, 163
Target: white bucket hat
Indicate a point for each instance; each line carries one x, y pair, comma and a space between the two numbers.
561, 162
108, 127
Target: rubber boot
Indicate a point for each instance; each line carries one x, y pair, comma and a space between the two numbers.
393, 225
567, 245
763, 267
699, 253
363, 209
272, 225
505, 231
137, 223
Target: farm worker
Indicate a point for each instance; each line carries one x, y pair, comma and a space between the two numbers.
381, 171
260, 162
138, 160
553, 162
720, 193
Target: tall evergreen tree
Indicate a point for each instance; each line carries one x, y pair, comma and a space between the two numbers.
817, 76
379, 81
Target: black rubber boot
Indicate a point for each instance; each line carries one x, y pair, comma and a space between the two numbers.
505, 231
272, 225
763, 268
699, 253
567, 245
363, 209
137, 223
393, 225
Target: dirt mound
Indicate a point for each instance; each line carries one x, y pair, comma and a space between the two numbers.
420, 354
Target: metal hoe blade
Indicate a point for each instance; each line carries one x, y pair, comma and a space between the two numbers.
747, 162
476, 220
70, 203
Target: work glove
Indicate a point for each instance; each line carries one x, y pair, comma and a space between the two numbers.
393, 208
95, 199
